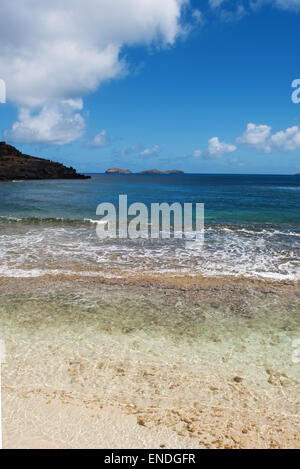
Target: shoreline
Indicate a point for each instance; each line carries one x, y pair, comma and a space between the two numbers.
133, 276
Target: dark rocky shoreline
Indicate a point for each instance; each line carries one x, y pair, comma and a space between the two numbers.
14, 165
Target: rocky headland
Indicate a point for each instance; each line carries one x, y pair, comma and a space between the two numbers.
14, 165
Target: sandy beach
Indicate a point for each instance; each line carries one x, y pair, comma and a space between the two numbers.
93, 362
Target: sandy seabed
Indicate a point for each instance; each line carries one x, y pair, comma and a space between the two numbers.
150, 362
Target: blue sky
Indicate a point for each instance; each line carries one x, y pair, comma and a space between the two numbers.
206, 90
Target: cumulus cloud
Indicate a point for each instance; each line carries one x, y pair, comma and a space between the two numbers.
56, 50
60, 48
257, 136
56, 123
215, 149
261, 137
100, 140
286, 140
150, 151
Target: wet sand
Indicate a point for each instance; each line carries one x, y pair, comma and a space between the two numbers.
150, 361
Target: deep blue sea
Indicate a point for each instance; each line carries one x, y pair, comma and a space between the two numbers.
252, 226
228, 198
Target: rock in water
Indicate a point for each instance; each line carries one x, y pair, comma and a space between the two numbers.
14, 165
117, 171
157, 171
151, 171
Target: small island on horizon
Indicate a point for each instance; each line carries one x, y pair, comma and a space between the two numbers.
14, 165
150, 171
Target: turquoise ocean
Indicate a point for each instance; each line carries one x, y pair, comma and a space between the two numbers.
252, 226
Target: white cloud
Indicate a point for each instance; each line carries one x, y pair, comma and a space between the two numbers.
150, 151
60, 48
56, 50
260, 136
287, 140
57, 123
100, 140
215, 149
257, 136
